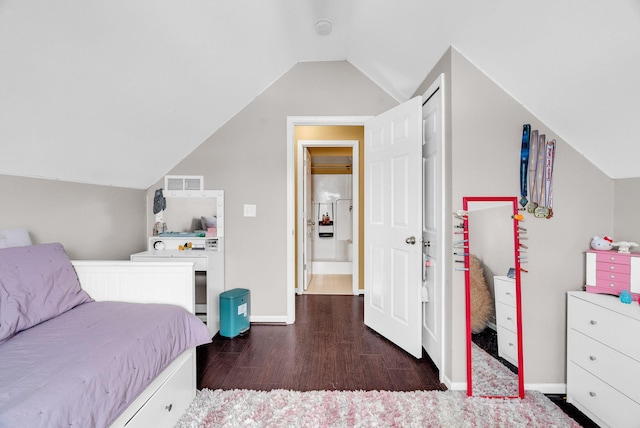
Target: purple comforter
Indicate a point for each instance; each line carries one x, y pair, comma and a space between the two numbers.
84, 367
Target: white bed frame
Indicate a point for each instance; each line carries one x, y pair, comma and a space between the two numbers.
163, 402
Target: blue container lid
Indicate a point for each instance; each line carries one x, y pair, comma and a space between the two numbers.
232, 294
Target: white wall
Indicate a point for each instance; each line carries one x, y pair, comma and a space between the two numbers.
328, 189
627, 212
90, 221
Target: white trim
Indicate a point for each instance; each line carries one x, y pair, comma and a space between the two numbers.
438, 84
547, 388
454, 386
293, 121
279, 319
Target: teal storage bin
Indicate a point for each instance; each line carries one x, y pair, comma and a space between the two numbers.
235, 310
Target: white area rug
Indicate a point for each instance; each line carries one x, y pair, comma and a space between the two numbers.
450, 409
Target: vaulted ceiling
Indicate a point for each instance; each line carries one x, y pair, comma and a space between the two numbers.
117, 92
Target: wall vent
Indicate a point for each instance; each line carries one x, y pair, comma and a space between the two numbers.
184, 182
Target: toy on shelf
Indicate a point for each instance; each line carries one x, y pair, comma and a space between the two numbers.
598, 243
625, 297
624, 246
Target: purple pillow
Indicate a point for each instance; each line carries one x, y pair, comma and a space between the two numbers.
37, 283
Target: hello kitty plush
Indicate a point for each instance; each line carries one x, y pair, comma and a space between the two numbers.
598, 243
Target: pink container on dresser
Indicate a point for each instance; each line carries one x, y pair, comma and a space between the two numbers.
610, 272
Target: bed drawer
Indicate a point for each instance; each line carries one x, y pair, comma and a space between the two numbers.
171, 400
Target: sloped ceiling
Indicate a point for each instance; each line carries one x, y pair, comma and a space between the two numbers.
118, 92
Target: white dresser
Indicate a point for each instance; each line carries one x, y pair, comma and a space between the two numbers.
603, 358
207, 257
504, 289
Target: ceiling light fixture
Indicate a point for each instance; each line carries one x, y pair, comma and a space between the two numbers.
323, 26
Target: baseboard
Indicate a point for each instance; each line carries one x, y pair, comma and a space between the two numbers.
547, 388
333, 268
268, 319
454, 386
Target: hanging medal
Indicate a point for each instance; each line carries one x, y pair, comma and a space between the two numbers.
533, 159
551, 151
547, 210
541, 211
524, 163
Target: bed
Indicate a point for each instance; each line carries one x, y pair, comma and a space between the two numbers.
95, 343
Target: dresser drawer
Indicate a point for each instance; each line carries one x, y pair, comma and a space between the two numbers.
612, 257
589, 393
609, 287
605, 326
505, 291
607, 276
613, 267
506, 316
508, 345
199, 263
605, 363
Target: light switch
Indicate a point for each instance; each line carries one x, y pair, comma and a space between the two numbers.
249, 210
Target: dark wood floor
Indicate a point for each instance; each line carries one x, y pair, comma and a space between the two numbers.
328, 347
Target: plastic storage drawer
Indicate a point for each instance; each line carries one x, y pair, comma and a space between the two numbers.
235, 309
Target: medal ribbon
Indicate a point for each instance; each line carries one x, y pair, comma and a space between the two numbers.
551, 151
540, 169
533, 159
524, 163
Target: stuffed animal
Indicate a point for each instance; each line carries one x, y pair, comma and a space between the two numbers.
624, 246
598, 243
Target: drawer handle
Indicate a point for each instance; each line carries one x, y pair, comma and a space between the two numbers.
612, 276
593, 322
169, 407
591, 393
509, 319
612, 267
592, 358
511, 344
612, 285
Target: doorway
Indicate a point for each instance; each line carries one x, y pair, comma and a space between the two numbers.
327, 210
408, 295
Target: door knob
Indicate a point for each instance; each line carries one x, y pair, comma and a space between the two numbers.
410, 240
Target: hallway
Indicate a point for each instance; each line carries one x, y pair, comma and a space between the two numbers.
330, 284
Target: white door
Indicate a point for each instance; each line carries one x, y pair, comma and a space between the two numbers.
393, 225
433, 229
308, 214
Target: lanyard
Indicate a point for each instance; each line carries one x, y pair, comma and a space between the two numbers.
533, 163
548, 174
524, 163
548, 150
542, 141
